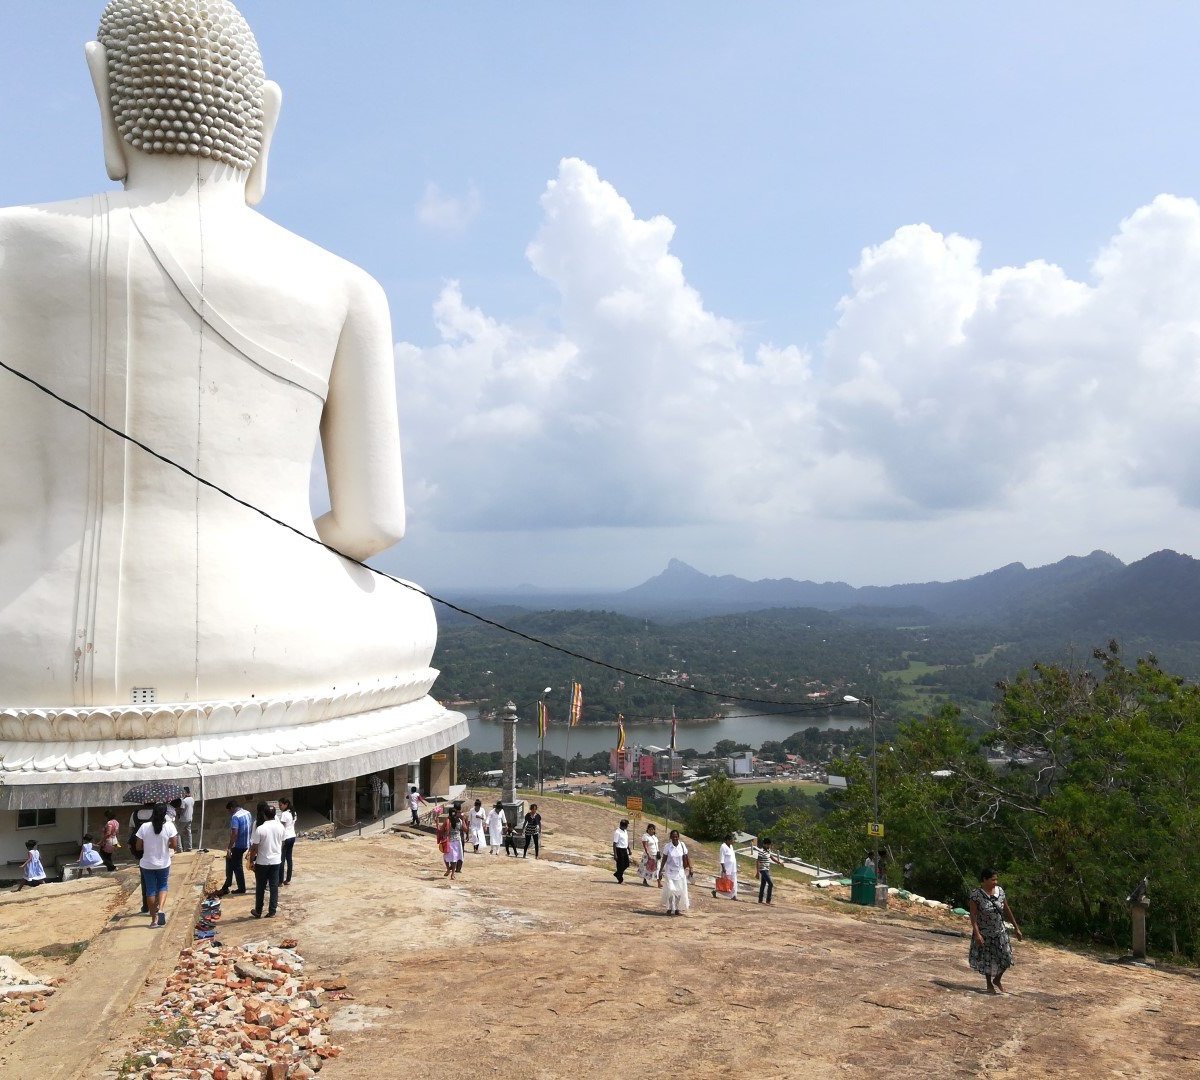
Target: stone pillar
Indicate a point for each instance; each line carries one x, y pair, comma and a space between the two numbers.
441, 772
1137, 909
514, 808
345, 812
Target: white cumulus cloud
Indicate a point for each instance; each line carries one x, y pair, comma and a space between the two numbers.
941, 388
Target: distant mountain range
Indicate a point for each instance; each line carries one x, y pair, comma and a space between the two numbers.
1155, 596
1088, 598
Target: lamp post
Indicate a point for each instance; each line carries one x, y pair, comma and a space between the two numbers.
543, 722
869, 702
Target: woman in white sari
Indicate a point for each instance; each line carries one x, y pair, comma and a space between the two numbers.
478, 818
728, 862
676, 869
648, 866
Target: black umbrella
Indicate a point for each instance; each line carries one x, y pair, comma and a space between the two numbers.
154, 791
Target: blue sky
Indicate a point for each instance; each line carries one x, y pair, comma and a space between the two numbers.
680, 348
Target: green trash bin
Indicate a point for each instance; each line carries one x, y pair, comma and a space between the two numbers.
862, 886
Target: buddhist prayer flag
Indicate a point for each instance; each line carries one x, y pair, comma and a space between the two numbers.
620, 733
543, 719
576, 703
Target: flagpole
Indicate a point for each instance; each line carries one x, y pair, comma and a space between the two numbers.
567, 752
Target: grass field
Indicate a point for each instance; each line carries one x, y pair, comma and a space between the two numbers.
749, 792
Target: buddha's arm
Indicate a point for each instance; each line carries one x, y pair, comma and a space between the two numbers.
360, 435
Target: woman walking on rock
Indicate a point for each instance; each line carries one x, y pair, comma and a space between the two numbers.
478, 821
991, 950
648, 865
287, 818
677, 870
156, 841
533, 831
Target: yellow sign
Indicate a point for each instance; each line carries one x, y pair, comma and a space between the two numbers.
875, 828
634, 802
440, 757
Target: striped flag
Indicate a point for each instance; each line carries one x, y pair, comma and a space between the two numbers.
576, 703
543, 718
620, 733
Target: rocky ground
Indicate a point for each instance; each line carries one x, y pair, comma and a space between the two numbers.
547, 968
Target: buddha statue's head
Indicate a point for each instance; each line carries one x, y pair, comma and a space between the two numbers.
181, 77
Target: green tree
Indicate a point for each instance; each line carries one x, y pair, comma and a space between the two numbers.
714, 809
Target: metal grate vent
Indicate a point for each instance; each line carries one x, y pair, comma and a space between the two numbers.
143, 695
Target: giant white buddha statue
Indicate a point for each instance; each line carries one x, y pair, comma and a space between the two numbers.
146, 620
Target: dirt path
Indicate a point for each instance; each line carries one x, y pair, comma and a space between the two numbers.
109, 975
547, 968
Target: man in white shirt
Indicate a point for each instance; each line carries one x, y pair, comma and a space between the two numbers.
266, 854
621, 850
184, 821
414, 801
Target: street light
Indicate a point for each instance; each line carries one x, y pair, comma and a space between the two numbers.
869, 702
542, 738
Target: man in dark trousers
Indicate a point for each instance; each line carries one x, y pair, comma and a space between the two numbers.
240, 826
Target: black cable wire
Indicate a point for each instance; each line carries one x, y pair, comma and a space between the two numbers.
798, 706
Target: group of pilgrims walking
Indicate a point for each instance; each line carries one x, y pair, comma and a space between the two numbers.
669, 866
484, 829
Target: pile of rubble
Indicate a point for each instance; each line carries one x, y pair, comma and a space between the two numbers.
22, 995
244, 1013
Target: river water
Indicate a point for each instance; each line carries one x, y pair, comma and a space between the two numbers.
746, 727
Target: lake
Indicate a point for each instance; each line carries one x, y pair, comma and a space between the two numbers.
748, 727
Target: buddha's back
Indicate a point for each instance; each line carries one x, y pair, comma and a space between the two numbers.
209, 334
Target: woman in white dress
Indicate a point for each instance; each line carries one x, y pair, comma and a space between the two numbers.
478, 820
648, 866
673, 875
728, 862
495, 827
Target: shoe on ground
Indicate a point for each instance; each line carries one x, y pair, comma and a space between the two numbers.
256, 914
269, 915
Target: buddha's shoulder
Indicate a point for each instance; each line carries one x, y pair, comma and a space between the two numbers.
300, 251
47, 223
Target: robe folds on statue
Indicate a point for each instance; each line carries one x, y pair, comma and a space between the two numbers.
120, 575
125, 566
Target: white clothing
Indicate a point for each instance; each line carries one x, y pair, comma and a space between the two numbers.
185, 817
287, 819
673, 856
156, 847
89, 856
495, 828
138, 818
648, 863
269, 838
33, 869
414, 799
477, 821
621, 839
728, 862
384, 790
675, 886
